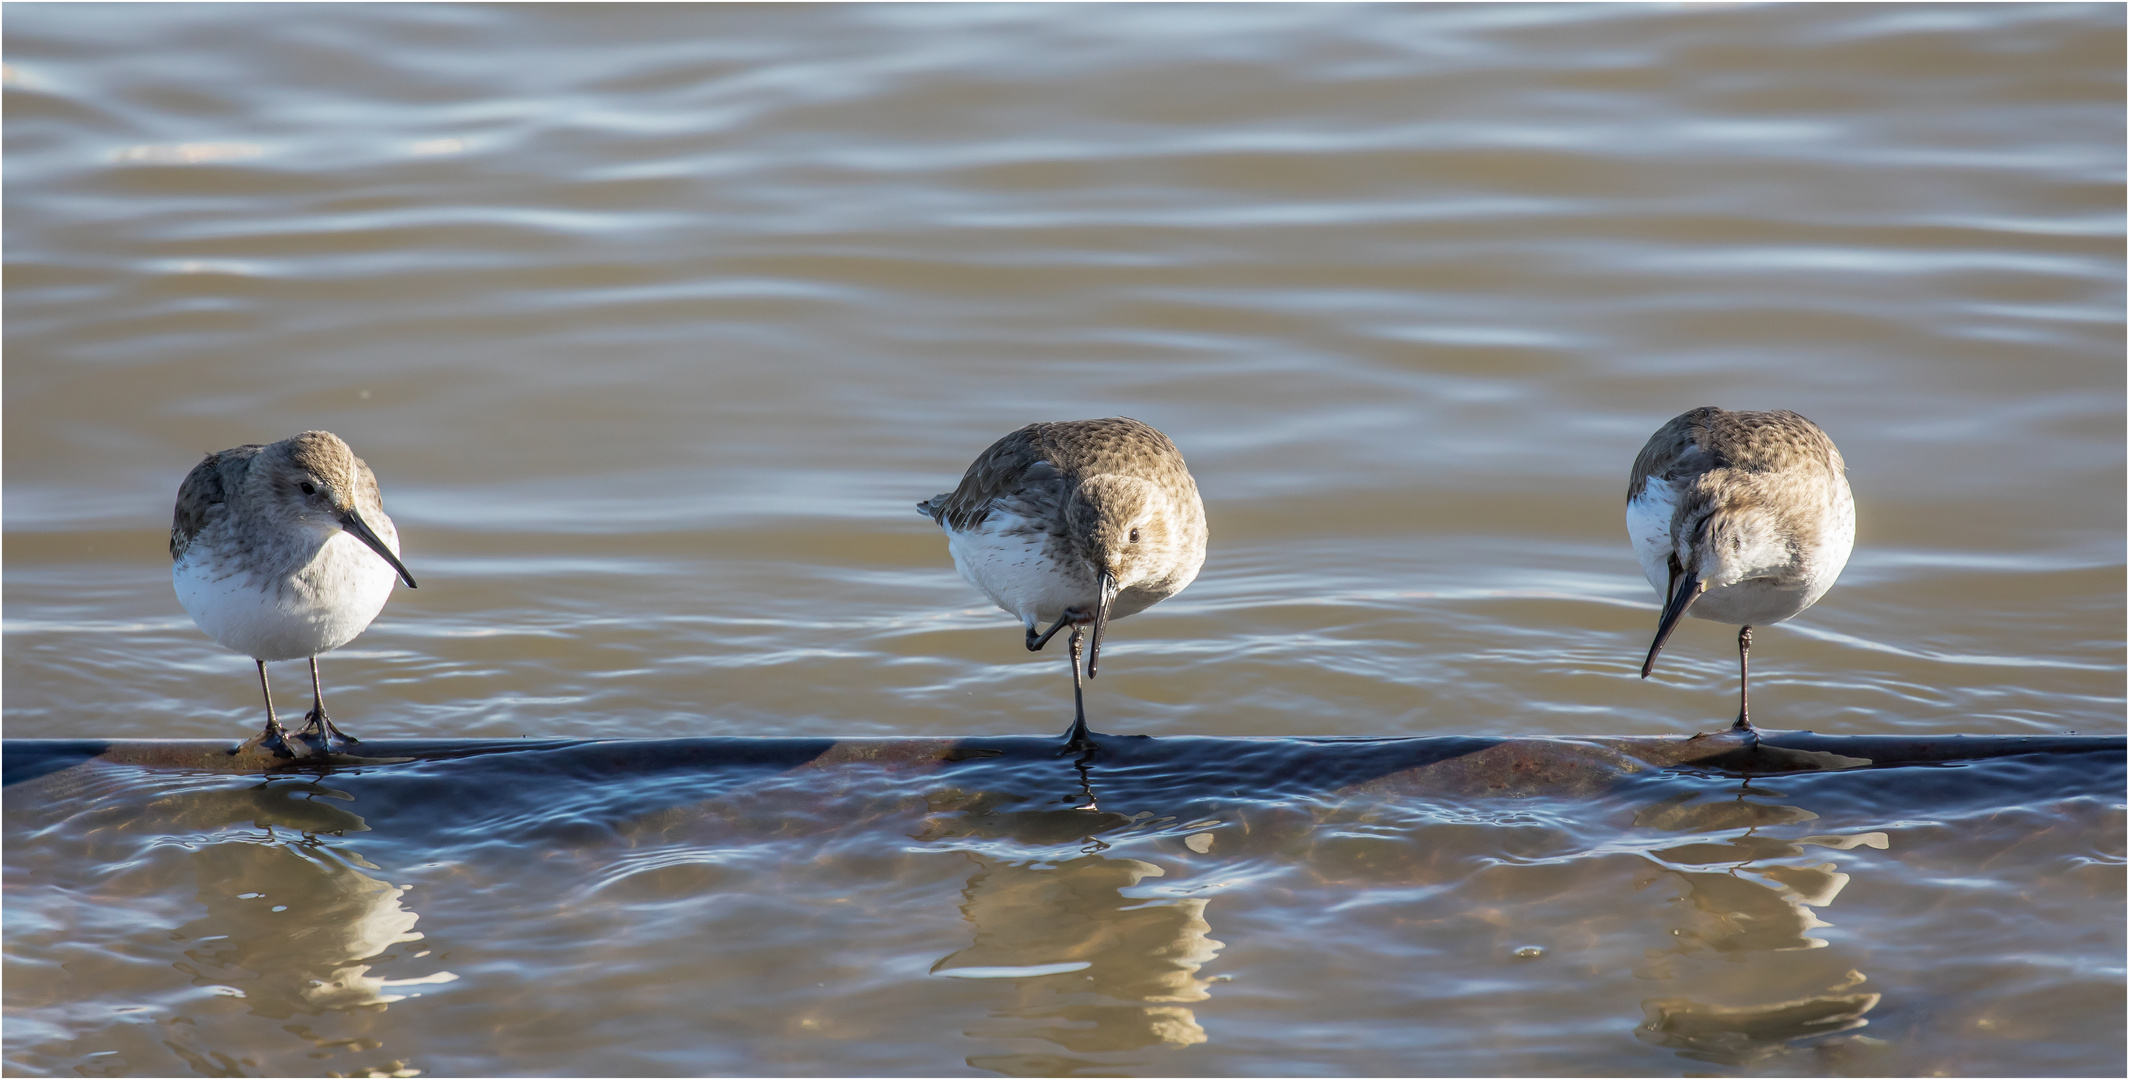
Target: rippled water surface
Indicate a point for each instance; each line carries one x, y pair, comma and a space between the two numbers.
1187, 907
655, 322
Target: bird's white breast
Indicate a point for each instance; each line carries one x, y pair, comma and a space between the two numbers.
320, 606
1648, 522
1751, 600
1006, 557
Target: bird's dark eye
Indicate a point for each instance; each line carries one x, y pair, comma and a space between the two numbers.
1134, 536
309, 490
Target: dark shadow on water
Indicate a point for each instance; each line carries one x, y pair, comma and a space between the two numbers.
1477, 765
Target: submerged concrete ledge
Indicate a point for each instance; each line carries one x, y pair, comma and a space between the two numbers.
1448, 763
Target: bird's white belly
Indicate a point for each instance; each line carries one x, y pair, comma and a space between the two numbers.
325, 605
1752, 602
1009, 565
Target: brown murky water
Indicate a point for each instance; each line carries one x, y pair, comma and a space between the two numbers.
656, 322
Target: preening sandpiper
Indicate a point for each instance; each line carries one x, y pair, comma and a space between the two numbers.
1074, 524
283, 551
1738, 517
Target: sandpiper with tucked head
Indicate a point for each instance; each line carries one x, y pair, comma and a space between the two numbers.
1074, 524
1738, 517
283, 551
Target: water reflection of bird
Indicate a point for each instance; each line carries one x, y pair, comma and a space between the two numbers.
268, 556
1738, 517
1072, 949
293, 924
296, 923
1074, 524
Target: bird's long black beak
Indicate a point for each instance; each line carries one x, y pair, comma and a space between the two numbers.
1684, 590
1101, 620
352, 522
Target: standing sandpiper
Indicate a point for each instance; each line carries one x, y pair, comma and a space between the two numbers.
1739, 517
1075, 523
282, 552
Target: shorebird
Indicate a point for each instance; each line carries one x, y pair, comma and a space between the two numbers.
282, 551
1738, 517
1074, 524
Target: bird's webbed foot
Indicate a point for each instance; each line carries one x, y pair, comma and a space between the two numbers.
322, 736
1079, 740
273, 739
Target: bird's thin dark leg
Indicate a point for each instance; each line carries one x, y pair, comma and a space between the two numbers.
320, 724
273, 732
1744, 675
272, 738
315, 718
1036, 642
1077, 738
